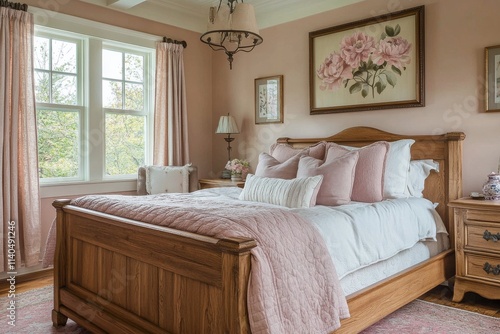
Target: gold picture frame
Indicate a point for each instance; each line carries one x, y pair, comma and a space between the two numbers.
269, 100
376, 63
492, 66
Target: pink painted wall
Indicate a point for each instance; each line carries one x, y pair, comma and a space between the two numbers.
457, 31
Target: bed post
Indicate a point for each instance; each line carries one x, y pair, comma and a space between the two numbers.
59, 319
235, 277
454, 179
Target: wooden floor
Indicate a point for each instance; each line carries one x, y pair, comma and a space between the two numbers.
472, 302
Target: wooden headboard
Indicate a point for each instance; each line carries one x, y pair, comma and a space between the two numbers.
441, 187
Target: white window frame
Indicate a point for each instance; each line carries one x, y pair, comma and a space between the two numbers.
94, 178
148, 81
80, 105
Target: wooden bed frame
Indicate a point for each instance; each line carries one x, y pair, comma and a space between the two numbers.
121, 276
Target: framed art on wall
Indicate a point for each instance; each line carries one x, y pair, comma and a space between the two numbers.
269, 100
376, 63
492, 61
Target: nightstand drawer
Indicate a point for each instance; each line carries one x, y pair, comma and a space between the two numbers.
483, 237
483, 215
475, 267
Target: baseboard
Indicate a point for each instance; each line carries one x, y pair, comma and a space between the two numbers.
31, 276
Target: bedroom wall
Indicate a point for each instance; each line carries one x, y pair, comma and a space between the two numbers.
198, 64
457, 31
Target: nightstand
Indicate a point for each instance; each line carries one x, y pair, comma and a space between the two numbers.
477, 248
217, 183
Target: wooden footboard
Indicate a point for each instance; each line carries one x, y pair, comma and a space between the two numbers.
116, 275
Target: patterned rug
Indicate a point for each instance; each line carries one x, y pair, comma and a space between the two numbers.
33, 316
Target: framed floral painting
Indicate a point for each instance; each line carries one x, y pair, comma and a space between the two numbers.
269, 100
376, 63
492, 61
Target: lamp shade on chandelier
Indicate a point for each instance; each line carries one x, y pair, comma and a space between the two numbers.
232, 28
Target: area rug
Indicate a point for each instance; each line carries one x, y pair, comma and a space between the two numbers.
33, 316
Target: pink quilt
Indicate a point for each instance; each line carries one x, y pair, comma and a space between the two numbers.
293, 286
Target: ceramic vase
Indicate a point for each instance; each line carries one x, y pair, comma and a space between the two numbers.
491, 189
236, 177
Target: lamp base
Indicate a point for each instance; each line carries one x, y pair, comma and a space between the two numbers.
226, 174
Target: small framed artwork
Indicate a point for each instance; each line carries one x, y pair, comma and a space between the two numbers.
269, 100
375, 63
492, 60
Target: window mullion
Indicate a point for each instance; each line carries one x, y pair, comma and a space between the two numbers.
96, 132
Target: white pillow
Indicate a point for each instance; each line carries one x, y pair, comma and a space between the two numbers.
167, 179
419, 171
294, 193
397, 166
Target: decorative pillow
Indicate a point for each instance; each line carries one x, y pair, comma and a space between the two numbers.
397, 168
419, 171
295, 193
270, 167
167, 179
369, 178
283, 152
338, 177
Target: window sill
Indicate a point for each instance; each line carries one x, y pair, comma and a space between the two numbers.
85, 188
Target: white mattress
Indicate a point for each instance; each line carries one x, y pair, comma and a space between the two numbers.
367, 276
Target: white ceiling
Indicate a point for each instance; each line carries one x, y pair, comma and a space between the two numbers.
192, 14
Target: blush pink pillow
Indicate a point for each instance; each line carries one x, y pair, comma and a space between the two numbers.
369, 178
338, 177
283, 152
270, 167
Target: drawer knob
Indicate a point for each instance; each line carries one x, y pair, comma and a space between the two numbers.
487, 235
491, 270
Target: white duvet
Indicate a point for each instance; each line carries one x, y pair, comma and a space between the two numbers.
360, 234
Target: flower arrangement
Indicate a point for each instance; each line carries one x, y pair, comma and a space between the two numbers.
366, 65
237, 166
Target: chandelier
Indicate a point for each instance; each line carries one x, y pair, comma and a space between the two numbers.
232, 28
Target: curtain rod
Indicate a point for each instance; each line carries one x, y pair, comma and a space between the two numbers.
14, 5
169, 40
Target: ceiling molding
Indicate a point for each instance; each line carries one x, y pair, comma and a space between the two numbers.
193, 14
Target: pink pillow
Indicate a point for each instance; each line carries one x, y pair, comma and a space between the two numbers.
270, 167
369, 179
338, 177
283, 152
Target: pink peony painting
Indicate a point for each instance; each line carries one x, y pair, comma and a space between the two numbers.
375, 63
365, 65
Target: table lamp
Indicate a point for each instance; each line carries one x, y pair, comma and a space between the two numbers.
227, 125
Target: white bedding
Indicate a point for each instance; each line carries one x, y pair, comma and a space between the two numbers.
361, 234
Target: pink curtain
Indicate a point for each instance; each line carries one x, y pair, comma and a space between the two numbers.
171, 146
20, 210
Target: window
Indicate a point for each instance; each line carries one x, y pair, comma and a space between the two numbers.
59, 107
123, 102
94, 107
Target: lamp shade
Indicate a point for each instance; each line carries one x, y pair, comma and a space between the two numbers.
243, 19
227, 124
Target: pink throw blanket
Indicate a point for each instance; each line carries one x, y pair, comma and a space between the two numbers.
293, 286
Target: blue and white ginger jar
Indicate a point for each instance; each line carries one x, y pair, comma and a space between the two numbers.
491, 188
